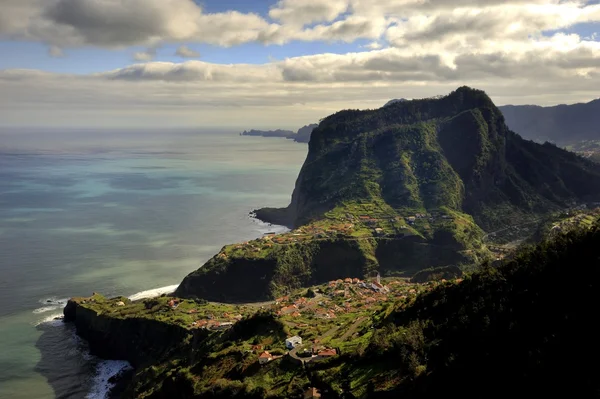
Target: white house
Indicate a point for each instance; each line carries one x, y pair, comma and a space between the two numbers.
292, 342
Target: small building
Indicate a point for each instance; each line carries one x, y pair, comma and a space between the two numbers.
120, 303
312, 393
325, 354
265, 357
293, 342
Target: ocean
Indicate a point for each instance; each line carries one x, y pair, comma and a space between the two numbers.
120, 213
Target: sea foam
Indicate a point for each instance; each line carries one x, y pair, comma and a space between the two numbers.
105, 370
154, 293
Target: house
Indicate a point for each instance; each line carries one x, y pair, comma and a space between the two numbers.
312, 393
222, 326
120, 303
348, 280
293, 342
173, 303
265, 357
325, 354
355, 281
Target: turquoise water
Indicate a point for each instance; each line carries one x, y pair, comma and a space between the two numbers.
116, 213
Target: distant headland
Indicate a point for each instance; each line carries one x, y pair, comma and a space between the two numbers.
301, 136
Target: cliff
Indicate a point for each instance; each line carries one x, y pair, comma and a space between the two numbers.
135, 336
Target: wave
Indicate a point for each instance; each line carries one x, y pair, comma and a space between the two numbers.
45, 309
55, 319
105, 371
154, 292
54, 301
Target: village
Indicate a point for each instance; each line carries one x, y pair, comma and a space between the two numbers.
357, 223
322, 320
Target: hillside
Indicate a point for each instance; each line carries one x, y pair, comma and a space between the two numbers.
525, 328
564, 125
399, 189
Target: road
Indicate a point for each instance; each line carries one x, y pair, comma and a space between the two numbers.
485, 237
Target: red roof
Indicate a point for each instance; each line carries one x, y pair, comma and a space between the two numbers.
265, 355
327, 352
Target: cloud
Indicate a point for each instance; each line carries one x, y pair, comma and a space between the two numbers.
186, 52
418, 24
516, 50
303, 12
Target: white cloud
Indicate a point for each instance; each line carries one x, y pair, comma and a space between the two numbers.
186, 52
303, 12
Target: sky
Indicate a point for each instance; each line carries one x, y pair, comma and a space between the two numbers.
282, 63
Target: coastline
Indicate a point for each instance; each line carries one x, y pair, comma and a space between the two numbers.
112, 376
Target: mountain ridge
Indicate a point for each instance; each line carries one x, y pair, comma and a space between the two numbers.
562, 124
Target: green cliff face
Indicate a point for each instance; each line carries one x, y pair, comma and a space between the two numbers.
409, 186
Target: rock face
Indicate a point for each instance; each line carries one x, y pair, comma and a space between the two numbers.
138, 340
451, 156
561, 124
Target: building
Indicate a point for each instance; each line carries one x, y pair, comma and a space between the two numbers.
293, 342
325, 354
312, 393
265, 357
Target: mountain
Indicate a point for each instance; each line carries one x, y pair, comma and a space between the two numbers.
268, 133
562, 124
394, 101
422, 155
396, 190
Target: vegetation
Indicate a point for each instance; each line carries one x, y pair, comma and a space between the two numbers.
407, 187
525, 326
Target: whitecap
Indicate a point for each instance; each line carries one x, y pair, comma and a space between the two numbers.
54, 301
105, 370
45, 309
55, 319
154, 293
